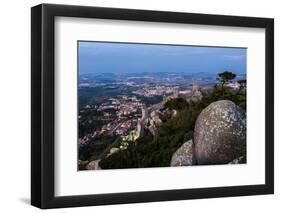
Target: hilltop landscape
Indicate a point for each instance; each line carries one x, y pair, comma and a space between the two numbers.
153, 114
136, 119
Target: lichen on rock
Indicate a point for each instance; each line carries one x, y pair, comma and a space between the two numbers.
93, 165
220, 133
184, 155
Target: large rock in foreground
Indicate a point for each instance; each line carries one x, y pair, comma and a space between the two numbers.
220, 133
93, 165
184, 155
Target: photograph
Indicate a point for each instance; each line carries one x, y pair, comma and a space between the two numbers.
143, 105
149, 105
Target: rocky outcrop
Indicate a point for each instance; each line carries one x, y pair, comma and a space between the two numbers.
195, 94
220, 133
241, 159
184, 155
93, 165
113, 150
82, 163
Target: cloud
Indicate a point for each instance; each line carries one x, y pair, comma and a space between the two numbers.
234, 57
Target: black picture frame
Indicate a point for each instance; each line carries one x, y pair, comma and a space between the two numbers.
43, 117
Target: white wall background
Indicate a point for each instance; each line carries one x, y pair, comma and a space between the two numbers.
15, 105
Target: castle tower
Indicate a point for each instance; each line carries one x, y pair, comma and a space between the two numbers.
195, 88
175, 93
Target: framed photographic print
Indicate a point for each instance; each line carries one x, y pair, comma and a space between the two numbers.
139, 106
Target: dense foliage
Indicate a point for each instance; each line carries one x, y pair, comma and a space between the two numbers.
150, 100
176, 103
225, 77
86, 124
96, 148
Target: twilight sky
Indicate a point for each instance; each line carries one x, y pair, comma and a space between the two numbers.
106, 57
